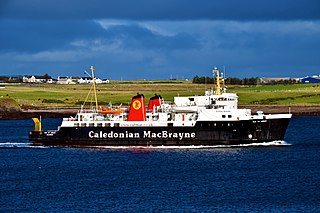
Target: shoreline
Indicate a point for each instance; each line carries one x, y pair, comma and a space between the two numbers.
310, 110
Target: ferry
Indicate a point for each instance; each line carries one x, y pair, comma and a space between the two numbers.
206, 120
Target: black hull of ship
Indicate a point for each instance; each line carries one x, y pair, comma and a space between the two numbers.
204, 133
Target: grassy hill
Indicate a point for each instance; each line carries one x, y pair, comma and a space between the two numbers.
295, 94
54, 95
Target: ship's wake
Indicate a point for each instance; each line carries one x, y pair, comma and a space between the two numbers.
8, 145
272, 143
261, 144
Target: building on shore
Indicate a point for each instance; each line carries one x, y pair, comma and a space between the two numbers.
2, 84
311, 79
11, 78
37, 79
279, 79
80, 80
68, 79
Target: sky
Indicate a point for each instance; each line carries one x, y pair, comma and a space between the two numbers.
160, 39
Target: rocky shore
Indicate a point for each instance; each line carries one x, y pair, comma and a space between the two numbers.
36, 113
17, 113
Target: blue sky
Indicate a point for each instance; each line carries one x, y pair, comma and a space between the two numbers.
148, 39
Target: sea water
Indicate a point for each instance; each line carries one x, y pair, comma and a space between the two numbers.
275, 178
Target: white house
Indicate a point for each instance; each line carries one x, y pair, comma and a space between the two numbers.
105, 81
84, 80
37, 79
68, 80
88, 80
98, 81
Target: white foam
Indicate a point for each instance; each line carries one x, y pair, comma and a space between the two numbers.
273, 143
265, 144
18, 145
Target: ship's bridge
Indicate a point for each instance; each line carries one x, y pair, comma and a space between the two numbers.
224, 101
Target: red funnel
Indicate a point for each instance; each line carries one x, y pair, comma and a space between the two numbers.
137, 111
155, 101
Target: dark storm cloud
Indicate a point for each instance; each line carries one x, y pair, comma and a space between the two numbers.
268, 36
159, 38
36, 35
137, 37
163, 10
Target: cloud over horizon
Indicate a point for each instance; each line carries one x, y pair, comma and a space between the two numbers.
274, 38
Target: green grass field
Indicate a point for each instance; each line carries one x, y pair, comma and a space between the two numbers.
296, 94
54, 95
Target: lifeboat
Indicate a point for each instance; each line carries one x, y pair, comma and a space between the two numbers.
110, 111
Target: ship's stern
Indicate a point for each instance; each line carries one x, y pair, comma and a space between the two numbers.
36, 136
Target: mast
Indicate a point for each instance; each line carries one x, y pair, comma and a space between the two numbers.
92, 94
224, 77
218, 80
94, 87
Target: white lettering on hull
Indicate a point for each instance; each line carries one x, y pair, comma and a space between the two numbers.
166, 134
112, 134
146, 134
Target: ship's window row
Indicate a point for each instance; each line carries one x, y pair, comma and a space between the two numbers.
225, 99
209, 125
94, 125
